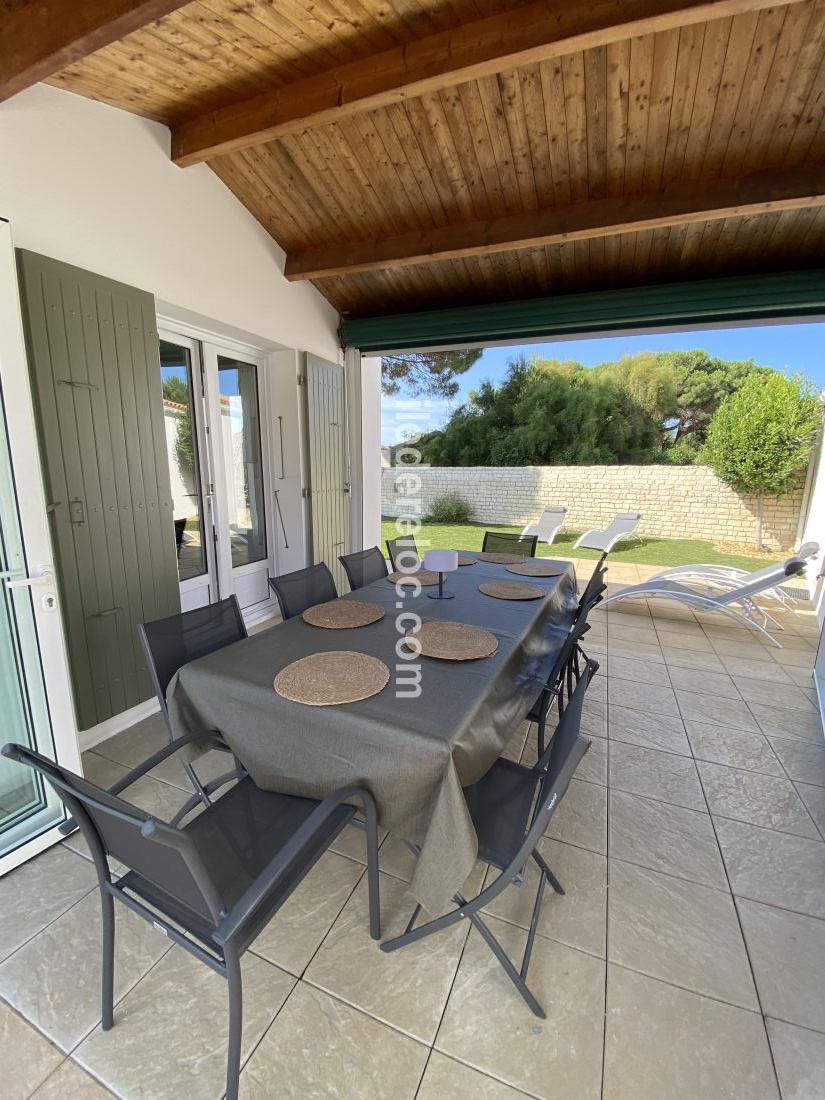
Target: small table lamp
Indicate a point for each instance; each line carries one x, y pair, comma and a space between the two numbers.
441, 562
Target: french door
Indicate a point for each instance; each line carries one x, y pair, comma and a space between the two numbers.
35, 694
217, 440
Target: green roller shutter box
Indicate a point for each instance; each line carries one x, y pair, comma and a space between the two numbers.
731, 299
93, 356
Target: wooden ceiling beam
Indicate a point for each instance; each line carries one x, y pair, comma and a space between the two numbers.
760, 193
525, 35
41, 37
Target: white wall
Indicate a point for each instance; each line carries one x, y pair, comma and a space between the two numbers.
94, 186
371, 449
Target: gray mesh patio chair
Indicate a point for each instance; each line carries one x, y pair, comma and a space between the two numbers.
302, 589
511, 808
622, 527
213, 884
548, 525
170, 643
403, 553
736, 599
363, 567
501, 542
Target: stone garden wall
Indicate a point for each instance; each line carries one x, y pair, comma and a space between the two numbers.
676, 501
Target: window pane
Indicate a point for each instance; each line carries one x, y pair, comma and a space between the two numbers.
182, 451
241, 436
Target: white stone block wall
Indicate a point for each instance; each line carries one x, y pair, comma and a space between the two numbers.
675, 501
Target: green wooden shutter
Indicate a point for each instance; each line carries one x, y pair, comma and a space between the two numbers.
327, 417
93, 356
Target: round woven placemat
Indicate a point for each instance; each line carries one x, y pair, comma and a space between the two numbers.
326, 679
511, 590
425, 577
501, 559
454, 641
465, 559
535, 569
341, 614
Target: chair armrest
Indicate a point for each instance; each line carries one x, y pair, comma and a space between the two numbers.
249, 901
163, 754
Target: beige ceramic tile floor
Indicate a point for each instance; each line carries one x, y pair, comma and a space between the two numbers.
685, 961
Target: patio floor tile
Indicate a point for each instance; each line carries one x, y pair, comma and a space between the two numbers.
170, 1033
782, 722
799, 1056
444, 1077
295, 932
677, 931
660, 775
487, 1026
814, 799
579, 918
581, 819
665, 838
644, 672
406, 989
801, 760
787, 951
690, 658
704, 682
755, 668
70, 1082
770, 694
26, 1058
696, 707
38, 892
766, 800
651, 731
319, 1046
638, 650
777, 868
662, 1041
54, 979
736, 748
653, 698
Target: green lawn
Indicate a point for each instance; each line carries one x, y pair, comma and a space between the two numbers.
645, 551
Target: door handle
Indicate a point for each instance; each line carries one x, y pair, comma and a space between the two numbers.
41, 574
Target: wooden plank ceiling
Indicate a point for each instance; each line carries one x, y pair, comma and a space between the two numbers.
696, 149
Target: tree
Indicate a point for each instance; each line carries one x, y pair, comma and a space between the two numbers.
702, 384
430, 373
175, 389
760, 438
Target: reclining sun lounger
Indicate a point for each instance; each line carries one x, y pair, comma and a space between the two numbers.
622, 527
732, 598
550, 522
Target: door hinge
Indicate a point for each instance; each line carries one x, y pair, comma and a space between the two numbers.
306, 493
302, 380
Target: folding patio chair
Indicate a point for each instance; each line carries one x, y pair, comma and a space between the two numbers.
363, 567
501, 542
170, 643
548, 525
720, 596
509, 830
723, 575
403, 553
621, 527
302, 589
213, 884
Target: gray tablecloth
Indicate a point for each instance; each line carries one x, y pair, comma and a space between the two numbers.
413, 754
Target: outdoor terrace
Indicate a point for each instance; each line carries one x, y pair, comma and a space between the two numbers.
697, 974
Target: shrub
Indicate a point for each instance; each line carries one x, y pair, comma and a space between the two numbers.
449, 508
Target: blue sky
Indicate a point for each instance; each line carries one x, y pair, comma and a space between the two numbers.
788, 348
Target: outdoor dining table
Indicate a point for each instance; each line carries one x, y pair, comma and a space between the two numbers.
414, 753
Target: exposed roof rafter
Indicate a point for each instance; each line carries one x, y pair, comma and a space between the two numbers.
524, 35
41, 37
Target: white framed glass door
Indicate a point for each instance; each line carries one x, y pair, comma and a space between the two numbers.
35, 694
240, 446
190, 462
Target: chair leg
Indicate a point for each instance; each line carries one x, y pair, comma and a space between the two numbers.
548, 874
372, 870
509, 969
108, 975
233, 1054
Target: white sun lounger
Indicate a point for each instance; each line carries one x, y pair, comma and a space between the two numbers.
732, 598
724, 575
549, 523
622, 527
